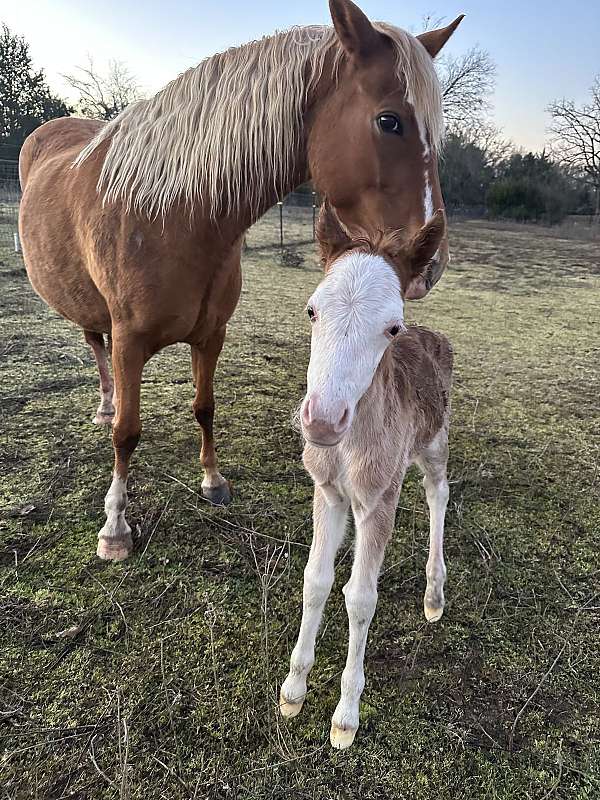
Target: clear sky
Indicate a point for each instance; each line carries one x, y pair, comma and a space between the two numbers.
543, 50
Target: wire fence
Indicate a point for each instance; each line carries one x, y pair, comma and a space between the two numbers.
289, 223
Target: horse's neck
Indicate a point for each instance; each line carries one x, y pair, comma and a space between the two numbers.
299, 164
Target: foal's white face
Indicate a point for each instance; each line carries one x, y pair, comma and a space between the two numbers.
356, 311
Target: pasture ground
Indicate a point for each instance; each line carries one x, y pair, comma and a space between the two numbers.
158, 677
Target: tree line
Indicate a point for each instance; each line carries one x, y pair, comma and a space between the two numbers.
480, 172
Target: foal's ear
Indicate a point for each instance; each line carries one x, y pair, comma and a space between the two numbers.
419, 252
433, 41
356, 34
331, 235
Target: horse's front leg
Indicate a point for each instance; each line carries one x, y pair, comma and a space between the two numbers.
129, 356
374, 527
330, 512
204, 361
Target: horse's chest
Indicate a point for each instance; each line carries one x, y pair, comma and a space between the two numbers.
356, 470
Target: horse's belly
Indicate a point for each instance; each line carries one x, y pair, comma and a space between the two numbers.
54, 263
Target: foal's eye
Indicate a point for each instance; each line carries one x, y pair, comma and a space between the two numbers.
390, 123
393, 331
311, 313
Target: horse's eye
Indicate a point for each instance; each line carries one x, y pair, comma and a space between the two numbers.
389, 123
311, 313
394, 330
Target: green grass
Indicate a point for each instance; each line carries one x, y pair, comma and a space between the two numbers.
165, 682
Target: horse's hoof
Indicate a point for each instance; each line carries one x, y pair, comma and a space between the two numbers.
103, 419
288, 709
341, 738
114, 549
433, 614
218, 495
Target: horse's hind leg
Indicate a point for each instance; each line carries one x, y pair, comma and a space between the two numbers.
129, 356
204, 361
106, 410
433, 462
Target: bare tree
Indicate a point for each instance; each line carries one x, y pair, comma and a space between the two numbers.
576, 138
103, 96
467, 81
485, 135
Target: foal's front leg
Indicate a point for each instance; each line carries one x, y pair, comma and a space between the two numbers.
373, 529
330, 512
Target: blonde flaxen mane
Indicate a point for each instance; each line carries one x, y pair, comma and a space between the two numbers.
229, 129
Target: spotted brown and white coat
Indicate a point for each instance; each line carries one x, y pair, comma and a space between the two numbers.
377, 401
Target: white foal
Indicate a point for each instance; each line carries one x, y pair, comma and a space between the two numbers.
377, 401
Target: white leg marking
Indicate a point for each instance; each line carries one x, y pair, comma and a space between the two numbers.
432, 461
437, 500
106, 410
361, 599
212, 479
330, 525
114, 540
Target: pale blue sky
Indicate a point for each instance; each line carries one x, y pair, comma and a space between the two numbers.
543, 50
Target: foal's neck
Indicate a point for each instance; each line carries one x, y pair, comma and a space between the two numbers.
380, 401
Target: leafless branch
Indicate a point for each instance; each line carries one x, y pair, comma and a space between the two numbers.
103, 96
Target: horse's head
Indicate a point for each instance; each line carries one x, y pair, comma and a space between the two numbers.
373, 140
356, 312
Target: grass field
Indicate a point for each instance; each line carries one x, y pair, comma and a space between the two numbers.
158, 677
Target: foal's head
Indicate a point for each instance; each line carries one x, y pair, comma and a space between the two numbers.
373, 141
356, 312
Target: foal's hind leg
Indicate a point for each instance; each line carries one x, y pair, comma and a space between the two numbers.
106, 409
114, 540
433, 461
204, 361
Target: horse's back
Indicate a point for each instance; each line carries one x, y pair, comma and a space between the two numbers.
61, 138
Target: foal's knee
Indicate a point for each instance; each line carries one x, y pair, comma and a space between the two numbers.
317, 586
361, 602
436, 485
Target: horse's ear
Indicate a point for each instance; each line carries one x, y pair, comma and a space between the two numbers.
331, 235
356, 34
419, 252
433, 41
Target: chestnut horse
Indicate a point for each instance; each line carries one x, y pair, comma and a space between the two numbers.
134, 228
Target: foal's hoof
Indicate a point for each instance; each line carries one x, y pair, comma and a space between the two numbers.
433, 614
341, 738
103, 419
114, 549
218, 495
287, 708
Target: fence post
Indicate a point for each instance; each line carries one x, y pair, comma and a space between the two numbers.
314, 199
280, 204
17, 242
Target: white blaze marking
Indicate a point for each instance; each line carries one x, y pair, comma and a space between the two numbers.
427, 193
358, 300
